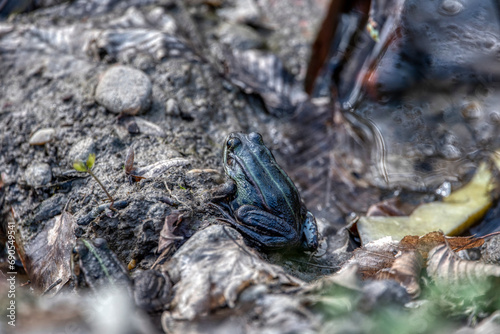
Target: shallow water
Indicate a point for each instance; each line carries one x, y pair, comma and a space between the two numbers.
424, 97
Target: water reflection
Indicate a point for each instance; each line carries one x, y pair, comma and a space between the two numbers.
424, 95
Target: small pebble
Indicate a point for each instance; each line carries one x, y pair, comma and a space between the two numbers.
42, 136
125, 90
38, 174
200, 102
171, 108
385, 292
451, 7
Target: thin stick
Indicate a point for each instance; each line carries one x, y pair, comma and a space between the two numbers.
102, 186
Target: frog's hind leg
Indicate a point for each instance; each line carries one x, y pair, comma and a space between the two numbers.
223, 209
266, 229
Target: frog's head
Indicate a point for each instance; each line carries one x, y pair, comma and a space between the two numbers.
242, 153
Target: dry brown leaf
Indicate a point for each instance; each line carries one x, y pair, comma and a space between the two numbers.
129, 167
213, 267
167, 236
129, 161
47, 256
403, 261
406, 271
446, 268
388, 259
427, 242
374, 256
462, 243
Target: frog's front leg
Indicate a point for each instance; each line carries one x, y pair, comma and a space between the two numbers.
223, 191
309, 233
219, 196
265, 228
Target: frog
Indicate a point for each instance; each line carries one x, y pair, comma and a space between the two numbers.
96, 266
260, 200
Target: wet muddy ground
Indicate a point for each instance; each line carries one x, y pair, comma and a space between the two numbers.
171, 79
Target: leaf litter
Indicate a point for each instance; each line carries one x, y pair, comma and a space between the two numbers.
47, 258
398, 261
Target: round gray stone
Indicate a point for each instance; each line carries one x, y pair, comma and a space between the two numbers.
125, 90
38, 174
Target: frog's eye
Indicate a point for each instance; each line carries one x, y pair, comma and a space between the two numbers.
232, 143
256, 138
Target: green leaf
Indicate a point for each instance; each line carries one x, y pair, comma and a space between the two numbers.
90, 160
79, 166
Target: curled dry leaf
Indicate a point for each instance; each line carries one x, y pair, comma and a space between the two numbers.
129, 167
158, 168
47, 256
213, 268
403, 261
167, 236
129, 161
446, 268
406, 271
374, 257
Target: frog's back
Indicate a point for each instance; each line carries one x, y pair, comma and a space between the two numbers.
277, 189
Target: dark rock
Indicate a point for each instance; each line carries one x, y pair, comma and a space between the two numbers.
152, 290
386, 292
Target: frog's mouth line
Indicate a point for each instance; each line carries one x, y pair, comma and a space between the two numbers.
228, 156
229, 161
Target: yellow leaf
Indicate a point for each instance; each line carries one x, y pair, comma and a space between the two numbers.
90, 160
79, 166
453, 215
